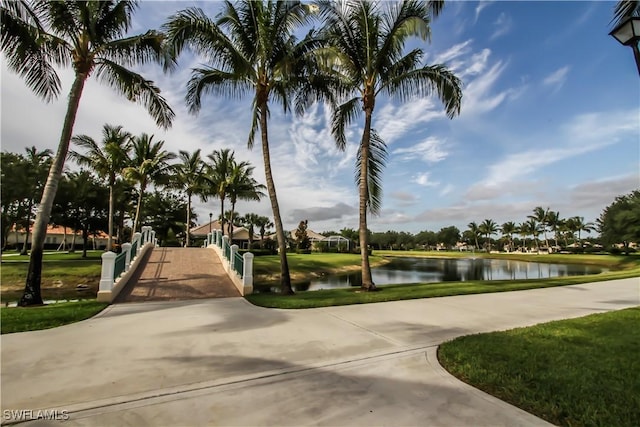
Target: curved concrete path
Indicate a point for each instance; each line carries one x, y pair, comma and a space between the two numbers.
171, 274
225, 362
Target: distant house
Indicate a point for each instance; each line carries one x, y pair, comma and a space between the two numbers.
240, 234
56, 235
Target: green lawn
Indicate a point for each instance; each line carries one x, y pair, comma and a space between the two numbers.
301, 264
61, 273
579, 372
20, 319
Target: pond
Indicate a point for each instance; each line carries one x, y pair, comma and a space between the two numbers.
426, 270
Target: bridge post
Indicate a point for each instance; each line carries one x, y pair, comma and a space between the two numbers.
145, 235
137, 237
108, 266
152, 238
126, 248
232, 260
247, 272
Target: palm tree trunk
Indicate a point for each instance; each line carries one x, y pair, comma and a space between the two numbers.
188, 219
32, 294
111, 207
26, 236
143, 186
222, 214
285, 278
233, 207
367, 281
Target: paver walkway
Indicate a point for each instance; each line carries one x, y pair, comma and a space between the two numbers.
172, 274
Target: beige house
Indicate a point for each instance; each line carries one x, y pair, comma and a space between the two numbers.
240, 234
56, 235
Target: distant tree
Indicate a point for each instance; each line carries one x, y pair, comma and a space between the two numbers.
90, 205
508, 229
250, 221
474, 232
541, 216
36, 164
555, 224
11, 196
107, 160
264, 224
620, 221
166, 213
242, 186
488, 228
189, 176
149, 165
349, 233
426, 238
302, 238
449, 236
219, 173
578, 225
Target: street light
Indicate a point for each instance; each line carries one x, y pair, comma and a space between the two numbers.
210, 221
628, 34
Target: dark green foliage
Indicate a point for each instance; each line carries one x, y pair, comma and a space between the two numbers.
303, 243
619, 223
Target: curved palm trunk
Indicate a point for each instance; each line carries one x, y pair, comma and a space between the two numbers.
188, 219
143, 186
285, 278
367, 281
32, 294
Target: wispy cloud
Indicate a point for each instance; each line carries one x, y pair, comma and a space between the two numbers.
453, 52
424, 179
394, 121
503, 25
480, 7
430, 150
556, 79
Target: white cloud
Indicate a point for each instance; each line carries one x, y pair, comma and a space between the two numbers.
447, 189
557, 78
430, 150
453, 52
394, 121
424, 179
480, 7
503, 25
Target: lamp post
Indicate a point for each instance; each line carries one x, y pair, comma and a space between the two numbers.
210, 221
628, 34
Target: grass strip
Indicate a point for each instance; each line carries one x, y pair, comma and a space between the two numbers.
21, 319
577, 372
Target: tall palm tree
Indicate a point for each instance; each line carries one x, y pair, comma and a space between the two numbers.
579, 225
534, 229
488, 228
107, 160
251, 49
35, 166
190, 177
541, 216
508, 229
475, 232
242, 186
554, 222
149, 165
365, 54
38, 36
219, 172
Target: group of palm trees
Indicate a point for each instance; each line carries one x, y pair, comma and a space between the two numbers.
538, 224
142, 161
356, 55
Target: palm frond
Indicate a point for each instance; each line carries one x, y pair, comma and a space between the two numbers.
376, 161
625, 9
137, 89
138, 50
343, 115
209, 80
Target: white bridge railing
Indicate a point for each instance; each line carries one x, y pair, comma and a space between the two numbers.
238, 267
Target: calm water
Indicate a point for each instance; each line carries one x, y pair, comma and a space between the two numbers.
424, 270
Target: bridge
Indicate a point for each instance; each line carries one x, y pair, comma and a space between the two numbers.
146, 272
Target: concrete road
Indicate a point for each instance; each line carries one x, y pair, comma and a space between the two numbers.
226, 362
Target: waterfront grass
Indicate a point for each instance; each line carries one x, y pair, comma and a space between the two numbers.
20, 319
578, 372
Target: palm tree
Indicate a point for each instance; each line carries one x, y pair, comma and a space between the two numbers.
149, 165
541, 216
533, 228
508, 229
625, 9
488, 227
475, 232
252, 49
579, 225
219, 171
38, 36
555, 223
263, 223
35, 167
365, 54
190, 176
243, 186
250, 221
107, 161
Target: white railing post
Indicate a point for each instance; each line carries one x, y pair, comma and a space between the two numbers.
234, 251
108, 267
152, 238
126, 248
137, 237
145, 234
225, 242
247, 271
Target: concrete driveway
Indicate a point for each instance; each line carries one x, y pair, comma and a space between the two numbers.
226, 362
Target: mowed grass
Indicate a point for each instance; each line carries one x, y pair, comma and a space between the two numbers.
578, 372
630, 267
19, 319
61, 273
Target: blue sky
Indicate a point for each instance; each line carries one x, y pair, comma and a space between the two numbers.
550, 118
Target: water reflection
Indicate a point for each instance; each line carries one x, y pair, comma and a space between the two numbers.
431, 270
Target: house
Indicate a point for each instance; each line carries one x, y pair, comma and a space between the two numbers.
56, 235
240, 234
